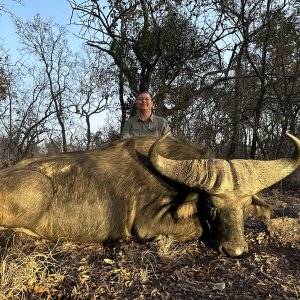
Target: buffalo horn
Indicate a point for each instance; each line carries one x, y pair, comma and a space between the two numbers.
221, 176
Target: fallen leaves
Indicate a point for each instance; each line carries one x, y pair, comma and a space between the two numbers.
131, 269
220, 286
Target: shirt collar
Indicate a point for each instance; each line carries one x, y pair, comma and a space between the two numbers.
141, 119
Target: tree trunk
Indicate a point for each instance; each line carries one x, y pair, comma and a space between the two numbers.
236, 109
121, 99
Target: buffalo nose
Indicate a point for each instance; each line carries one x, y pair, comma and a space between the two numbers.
233, 249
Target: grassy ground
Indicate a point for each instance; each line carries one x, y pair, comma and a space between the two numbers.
32, 268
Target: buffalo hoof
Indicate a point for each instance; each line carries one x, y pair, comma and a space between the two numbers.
185, 211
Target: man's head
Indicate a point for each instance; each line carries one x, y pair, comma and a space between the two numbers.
144, 103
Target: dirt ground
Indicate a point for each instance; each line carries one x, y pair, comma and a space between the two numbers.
33, 268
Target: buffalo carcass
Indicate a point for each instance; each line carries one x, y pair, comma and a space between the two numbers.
121, 191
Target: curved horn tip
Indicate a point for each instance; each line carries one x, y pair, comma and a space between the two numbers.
292, 137
295, 140
165, 135
153, 151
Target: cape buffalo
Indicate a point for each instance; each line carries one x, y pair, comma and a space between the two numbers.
140, 187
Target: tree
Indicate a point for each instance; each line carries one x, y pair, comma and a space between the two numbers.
283, 78
3, 84
4, 72
95, 87
23, 114
252, 20
47, 42
155, 45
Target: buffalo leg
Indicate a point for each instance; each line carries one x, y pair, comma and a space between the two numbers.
188, 208
147, 226
25, 196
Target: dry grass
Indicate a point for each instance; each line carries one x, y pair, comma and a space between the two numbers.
32, 268
22, 272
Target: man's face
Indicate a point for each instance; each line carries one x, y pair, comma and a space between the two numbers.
144, 102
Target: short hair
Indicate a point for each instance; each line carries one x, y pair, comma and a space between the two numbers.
145, 92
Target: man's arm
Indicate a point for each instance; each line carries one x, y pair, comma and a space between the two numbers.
165, 127
126, 130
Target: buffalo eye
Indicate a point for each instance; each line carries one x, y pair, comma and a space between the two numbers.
212, 211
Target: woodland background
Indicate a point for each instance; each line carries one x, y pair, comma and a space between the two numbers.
225, 74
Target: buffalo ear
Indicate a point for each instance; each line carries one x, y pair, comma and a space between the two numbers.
259, 208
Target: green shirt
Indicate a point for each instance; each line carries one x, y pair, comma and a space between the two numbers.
154, 126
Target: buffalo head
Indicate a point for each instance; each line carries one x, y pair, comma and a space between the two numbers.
231, 187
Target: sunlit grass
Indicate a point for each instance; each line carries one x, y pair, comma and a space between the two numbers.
33, 268
166, 246
22, 273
